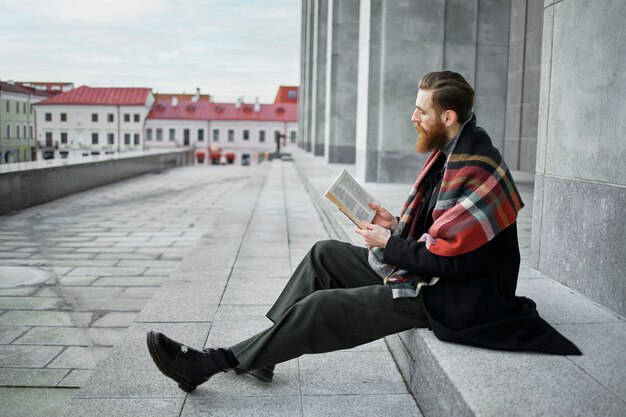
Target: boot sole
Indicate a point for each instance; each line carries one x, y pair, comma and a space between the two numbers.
157, 361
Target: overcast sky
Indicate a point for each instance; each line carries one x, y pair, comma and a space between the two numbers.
228, 48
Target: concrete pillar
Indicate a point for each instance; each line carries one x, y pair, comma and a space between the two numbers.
318, 82
303, 40
308, 10
522, 102
402, 40
341, 81
579, 221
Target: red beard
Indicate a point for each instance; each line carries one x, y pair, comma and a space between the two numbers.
435, 138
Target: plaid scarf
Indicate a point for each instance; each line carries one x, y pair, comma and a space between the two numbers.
477, 200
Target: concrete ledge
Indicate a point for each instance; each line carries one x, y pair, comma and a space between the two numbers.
27, 185
454, 380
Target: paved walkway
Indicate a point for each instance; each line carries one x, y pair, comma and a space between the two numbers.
201, 253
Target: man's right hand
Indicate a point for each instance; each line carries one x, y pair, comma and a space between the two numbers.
383, 217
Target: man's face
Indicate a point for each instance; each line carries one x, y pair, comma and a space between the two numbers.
430, 128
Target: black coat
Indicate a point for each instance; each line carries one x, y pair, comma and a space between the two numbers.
474, 302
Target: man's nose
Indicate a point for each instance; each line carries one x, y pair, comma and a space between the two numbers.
415, 117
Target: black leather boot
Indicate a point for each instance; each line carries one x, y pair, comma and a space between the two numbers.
187, 366
265, 373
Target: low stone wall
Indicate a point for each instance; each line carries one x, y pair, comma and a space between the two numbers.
38, 183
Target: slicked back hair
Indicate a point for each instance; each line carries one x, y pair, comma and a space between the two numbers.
450, 92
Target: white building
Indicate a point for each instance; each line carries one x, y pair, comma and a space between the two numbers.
236, 132
94, 119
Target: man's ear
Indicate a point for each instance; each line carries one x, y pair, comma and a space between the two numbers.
448, 117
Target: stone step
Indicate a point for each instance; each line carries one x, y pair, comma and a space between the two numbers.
454, 380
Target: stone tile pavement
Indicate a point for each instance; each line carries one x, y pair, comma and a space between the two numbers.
215, 290
75, 273
198, 252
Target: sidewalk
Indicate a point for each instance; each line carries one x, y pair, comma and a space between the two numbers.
201, 253
217, 296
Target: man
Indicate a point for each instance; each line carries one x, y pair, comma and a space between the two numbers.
449, 262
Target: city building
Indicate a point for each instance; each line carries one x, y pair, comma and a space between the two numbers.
88, 119
238, 133
52, 88
17, 122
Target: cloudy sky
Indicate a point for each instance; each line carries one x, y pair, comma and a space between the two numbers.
228, 48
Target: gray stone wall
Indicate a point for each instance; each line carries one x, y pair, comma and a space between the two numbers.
579, 221
44, 183
522, 104
402, 40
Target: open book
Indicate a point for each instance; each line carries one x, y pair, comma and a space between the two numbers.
352, 199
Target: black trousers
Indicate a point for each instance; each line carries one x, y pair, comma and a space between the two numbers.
333, 301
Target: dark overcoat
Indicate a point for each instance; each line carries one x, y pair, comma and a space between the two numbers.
474, 302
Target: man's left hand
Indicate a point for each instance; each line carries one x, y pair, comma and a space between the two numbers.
374, 235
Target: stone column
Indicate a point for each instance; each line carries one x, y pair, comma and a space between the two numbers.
402, 40
302, 89
341, 81
522, 102
308, 9
579, 221
318, 92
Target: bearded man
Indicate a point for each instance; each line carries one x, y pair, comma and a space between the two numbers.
449, 262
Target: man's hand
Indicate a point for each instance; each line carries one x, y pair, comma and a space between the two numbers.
384, 218
374, 235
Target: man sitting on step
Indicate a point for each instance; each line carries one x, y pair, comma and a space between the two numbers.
449, 262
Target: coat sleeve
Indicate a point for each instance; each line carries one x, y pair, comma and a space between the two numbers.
414, 257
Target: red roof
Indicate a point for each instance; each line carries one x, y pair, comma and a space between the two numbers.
114, 96
203, 110
286, 94
16, 88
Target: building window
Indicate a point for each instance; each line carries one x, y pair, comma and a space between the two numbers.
64, 117
48, 138
24, 131
200, 135
126, 117
172, 134
246, 134
262, 136
292, 136
17, 131
8, 106
94, 138
32, 132
136, 117
148, 134
63, 138
25, 113
111, 138
8, 131
17, 107
216, 135
48, 117
126, 138
231, 135
159, 135
94, 117
136, 138
292, 94
276, 134
110, 118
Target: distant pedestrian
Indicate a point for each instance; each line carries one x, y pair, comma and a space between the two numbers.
449, 262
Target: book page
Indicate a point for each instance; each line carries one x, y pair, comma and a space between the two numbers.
352, 199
